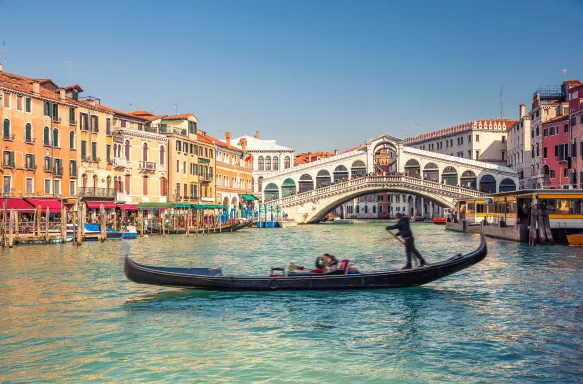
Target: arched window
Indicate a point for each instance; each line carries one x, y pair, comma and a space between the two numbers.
28, 133
145, 186
366, 209
260, 163
374, 209
286, 162
127, 150
46, 136
162, 158
268, 163
108, 183
275, 163
84, 181
145, 152
127, 184
6, 129
163, 186
95, 182
71, 140
55, 137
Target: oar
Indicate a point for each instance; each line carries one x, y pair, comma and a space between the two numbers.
396, 237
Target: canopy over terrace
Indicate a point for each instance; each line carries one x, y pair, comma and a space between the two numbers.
98, 204
53, 205
17, 204
249, 197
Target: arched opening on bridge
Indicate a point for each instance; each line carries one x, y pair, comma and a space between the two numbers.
449, 176
288, 188
306, 183
323, 178
385, 157
340, 173
411, 206
488, 184
358, 168
412, 168
468, 180
271, 192
431, 172
507, 185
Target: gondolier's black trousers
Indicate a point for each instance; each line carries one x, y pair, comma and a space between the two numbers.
410, 249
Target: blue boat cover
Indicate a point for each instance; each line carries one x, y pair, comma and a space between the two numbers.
92, 227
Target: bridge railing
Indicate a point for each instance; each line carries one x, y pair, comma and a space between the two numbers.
407, 180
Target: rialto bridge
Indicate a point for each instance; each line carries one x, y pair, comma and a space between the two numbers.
309, 191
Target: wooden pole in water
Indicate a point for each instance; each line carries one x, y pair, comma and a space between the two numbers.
163, 225
83, 219
102, 223
63, 224
188, 223
79, 224
11, 229
38, 217
16, 223
47, 225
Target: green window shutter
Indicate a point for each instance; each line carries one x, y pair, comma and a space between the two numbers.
12, 158
28, 104
94, 149
83, 148
32, 161
108, 151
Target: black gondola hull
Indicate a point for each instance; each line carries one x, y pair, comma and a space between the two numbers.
196, 279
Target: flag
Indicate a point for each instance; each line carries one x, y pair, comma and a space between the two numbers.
249, 157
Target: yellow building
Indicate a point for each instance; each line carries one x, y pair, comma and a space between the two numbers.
206, 169
139, 159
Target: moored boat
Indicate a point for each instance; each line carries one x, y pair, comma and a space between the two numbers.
439, 220
214, 279
575, 239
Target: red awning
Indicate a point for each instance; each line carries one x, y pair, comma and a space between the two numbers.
127, 207
98, 204
17, 204
53, 205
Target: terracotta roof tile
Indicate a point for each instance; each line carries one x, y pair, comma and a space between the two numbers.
179, 117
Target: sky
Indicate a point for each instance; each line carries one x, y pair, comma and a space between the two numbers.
315, 75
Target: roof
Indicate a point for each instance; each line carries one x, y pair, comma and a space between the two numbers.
74, 87
360, 146
476, 124
204, 139
303, 158
255, 144
220, 143
179, 117
557, 119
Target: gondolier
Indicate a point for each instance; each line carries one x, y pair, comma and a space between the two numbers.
405, 232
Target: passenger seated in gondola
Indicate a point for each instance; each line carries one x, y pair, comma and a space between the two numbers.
331, 262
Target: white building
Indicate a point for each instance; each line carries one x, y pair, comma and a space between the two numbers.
268, 156
519, 148
483, 140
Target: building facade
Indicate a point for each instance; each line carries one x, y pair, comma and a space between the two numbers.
556, 161
519, 153
234, 173
576, 124
483, 140
207, 149
267, 157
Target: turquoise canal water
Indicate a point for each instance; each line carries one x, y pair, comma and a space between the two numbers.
68, 315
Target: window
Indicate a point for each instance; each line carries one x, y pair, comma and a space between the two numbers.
6, 131
503, 155
72, 116
56, 137
71, 140
162, 155
503, 138
477, 138
268, 163
28, 133
127, 150
260, 163
145, 186
163, 186
29, 161
552, 173
94, 123
29, 185
567, 128
565, 170
94, 151
145, 152
127, 184
19, 103
47, 186
7, 184
556, 150
545, 152
544, 132
73, 168
184, 167
7, 99
83, 122
193, 193
177, 166
477, 155
8, 159
46, 136
48, 164
177, 193
28, 105
108, 152
178, 146
185, 189
57, 187
108, 126
275, 163
83, 149
72, 187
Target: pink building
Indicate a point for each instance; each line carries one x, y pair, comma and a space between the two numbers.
576, 123
555, 152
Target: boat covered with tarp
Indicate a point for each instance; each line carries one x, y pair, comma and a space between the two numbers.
342, 278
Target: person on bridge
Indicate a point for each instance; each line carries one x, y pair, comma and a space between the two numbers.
405, 232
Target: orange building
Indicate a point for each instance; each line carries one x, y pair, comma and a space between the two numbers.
38, 139
234, 173
303, 158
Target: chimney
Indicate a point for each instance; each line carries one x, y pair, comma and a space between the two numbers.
309, 157
35, 87
257, 134
244, 144
91, 102
62, 93
335, 152
0, 67
522, 110
228, 138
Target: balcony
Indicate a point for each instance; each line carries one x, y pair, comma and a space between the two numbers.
58, 171
8, 137
151, 129
173, 130
73, 122
97, 192
56, 119
73, 172
29, 140
30, 167
147, 165
206, 178
91, 159
8, 164
119, 162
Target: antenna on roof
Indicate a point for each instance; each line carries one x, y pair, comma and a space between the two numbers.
501, 105
3, 46
70, 73
564, 70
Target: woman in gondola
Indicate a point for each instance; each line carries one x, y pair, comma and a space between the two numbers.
331, 262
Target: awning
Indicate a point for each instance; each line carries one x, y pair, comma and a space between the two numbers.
183, 205
98, 204
154, 205
203, 160
128, 207
17, 204
249, 197
53, 205
207, 206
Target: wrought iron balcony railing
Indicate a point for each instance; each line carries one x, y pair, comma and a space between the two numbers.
148, 165
97, 192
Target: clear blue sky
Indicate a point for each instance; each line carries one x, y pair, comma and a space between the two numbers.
315, 75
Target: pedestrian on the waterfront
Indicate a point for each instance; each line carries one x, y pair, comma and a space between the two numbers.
405, 232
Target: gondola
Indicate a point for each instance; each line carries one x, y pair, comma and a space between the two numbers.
214, 279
